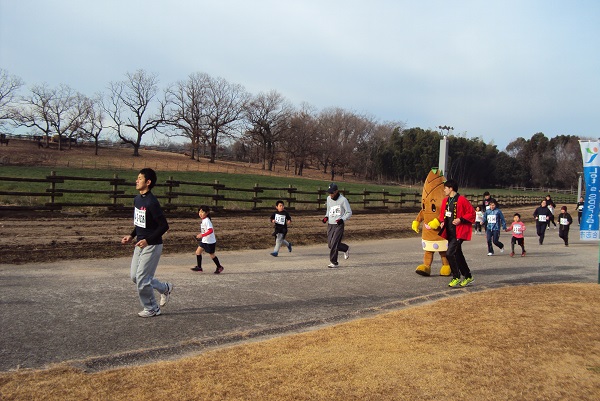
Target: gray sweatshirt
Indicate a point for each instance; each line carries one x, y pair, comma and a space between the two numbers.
338, 209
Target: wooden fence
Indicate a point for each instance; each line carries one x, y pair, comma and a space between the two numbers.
57, 193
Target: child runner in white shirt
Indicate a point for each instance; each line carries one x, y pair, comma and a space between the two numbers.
206, 240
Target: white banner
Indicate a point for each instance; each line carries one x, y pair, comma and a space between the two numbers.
591, 173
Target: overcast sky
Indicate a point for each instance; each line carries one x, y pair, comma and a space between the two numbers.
491, 69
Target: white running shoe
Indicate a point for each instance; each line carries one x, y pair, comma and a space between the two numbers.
332, 265
347, 254
149, 313
164, 298
502, 250
490, 254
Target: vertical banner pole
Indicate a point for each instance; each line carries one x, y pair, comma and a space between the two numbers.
589, 228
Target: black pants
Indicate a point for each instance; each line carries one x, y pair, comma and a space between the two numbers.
564, 233
456, 258
541, 230
335, 233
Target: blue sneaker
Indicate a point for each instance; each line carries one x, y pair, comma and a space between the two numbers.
290, 246
273, 254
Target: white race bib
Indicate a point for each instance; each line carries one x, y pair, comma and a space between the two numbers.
335, 212
448, 213
491, 219
564, 221
542, 218
139, 218
517, 230
280, 219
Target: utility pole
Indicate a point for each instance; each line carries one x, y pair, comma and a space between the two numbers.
443, 159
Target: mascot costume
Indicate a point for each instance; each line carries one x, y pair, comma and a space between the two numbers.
433, 193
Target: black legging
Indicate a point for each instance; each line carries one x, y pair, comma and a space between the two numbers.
541, 230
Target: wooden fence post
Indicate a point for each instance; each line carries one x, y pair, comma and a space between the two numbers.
216, 192
255, 196
170, 190
319, 198
115, 189
290, 192
52, 187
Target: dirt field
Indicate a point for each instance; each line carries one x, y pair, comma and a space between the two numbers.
54, 238
47, 236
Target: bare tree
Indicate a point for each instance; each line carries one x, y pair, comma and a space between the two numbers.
299, 142
94, 121
130, 108
268, 115
57, 111
9, 86
35, 110
339, 135
186, 109
224, 109
74, 117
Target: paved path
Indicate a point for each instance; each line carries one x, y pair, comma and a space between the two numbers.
85, 311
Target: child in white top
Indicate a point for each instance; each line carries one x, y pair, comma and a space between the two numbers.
206, 240
478, 219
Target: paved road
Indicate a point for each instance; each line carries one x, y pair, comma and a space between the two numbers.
85, 312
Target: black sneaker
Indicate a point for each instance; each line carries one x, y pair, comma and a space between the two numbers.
196, 269
219, 270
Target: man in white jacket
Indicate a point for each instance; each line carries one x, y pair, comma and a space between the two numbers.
338, 211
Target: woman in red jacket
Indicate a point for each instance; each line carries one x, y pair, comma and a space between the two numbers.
456, 225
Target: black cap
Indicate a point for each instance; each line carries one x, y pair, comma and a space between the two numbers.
332, 188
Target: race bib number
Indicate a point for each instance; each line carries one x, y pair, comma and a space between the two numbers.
335, 212
448, 213
564, 221
491, 219
280, 219
580, 208
542, 218
517, 230
139, 218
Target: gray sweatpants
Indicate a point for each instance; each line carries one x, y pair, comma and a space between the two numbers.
143, 267
335, 233
278, 241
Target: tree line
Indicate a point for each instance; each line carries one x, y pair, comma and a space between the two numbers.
216, 117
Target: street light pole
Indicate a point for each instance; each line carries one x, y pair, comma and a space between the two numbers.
443, 159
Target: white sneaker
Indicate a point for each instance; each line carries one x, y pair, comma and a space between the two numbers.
164, 298
347, 253
149, 313
502, 250
490, 254
332, 265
